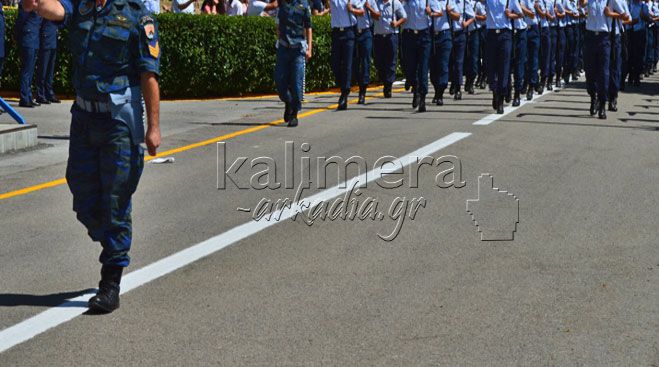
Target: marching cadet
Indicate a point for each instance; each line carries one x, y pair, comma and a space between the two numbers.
294, 46
560, 40
46, 63
532, 20
416, 50
597, 50
553, 36
115, 59
343, 24
520, 53
656, 36
388, 16
26, 32
649, 49
364, 47
571, 16
616, 31
459, 29
481, 31
472, 47
638, 39
441, 12
544, 54
499, 48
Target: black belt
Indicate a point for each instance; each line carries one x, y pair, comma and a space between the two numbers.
500, 30
344, 29
92, 106
442, 32
415, 31
597, 33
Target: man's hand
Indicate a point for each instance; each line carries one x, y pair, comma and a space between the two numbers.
152, 140
308, 54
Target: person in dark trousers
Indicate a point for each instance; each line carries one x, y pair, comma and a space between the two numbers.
364, 48
26, 32
417, 44
532, 46
294, 45
442, 13
617, 30
343, 22
46, 63
388, 16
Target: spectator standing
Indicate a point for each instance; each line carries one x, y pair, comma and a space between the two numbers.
183, 6
260, 8
26, 32
318, 8
236, 8
152, 6
46, 63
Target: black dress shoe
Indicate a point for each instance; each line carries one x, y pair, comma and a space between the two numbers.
26, 104
415, 100
36, 104
287, 112
451, 90
362, 95
407, 85
500, 106
516, 100
387, 90
343, 102
435, 97
458, 94
107, 298
495, 101
509, 95
293, 121
529, 94
43, 101
593, 105
54, 100
422, 104
440, 101
601, 113
613, 105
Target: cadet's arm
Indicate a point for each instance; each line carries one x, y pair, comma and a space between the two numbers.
612, 14
49, 9
528, 12
453, 14
151, 93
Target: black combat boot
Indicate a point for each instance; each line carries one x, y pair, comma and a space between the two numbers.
593, 105
500, 105
458, 93
362, 95
529, 93
387, 90
516, 100
613, 105
107, 298
343, 101
422, 103
287, 112
601, 111
293, 121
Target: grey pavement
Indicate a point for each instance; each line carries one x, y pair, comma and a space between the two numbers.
578, 285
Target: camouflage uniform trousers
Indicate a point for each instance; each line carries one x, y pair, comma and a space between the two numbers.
103, 171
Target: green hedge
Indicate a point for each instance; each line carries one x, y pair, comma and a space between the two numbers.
202, 56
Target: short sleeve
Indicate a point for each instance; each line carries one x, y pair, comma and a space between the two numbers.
450, 4
306, 21
400, 11
69, 6
148, 46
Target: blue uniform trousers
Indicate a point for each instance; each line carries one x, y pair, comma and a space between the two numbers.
439, 61
649, 49
343, 46
570, 50
28, 61
615, 66
483, 53
364, 45
636, 54
560, 51
553, 36
417, 57
581, 32
46, 74
656, 43
532, 53
597, 56
458, 57
103, 171
289, 75
499, 46
474, 52
519, 63
386, 52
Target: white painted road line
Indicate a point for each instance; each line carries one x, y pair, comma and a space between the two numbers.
72, 308
493, 117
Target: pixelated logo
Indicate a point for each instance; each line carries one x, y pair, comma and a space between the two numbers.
495, 212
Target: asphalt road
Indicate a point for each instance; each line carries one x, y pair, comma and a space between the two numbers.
577, 286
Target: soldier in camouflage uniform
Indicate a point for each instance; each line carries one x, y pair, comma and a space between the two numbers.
116, 57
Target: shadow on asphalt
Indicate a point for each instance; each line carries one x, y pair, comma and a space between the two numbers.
647, 128
46, 300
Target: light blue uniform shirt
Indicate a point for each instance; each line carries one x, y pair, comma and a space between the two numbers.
530, 4
460, 6
470, 13
383, 25
571, 6
596, 20
515, 7
365, 21
636, 8
552, 11
560, 6
417, 19
341, 18
479, 9
624, 9
544, 23
441, 23
496, 15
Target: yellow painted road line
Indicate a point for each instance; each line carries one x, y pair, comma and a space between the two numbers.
62, 181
